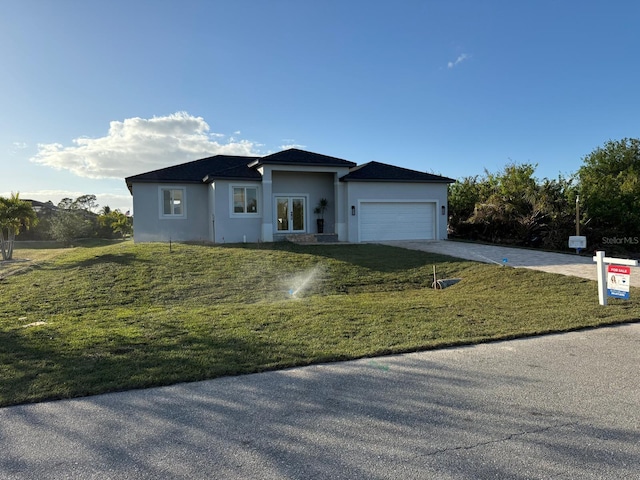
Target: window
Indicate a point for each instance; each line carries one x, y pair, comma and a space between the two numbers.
173, 202
245, 200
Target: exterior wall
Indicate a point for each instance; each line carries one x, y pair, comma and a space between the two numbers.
148, 224
312, 182
312, 186
235, 228
209, 212
381, 191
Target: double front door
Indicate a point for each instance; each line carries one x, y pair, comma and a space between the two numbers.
290, 213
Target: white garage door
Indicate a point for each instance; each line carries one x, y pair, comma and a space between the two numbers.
396, 221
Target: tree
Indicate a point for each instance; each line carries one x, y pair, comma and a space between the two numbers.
508, 209
14, 214
464, 195
66, 203
512, 206
71, 222
115, 222
86, 202
610, 191
558, 200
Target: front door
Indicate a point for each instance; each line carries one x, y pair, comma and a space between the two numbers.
290, 214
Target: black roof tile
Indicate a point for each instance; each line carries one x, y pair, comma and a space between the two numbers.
294, 156
243, 168
382, 172
218, 166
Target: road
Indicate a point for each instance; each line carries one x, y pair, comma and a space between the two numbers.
558, 406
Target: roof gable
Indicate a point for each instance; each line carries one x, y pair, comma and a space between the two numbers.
294, 156
382, 172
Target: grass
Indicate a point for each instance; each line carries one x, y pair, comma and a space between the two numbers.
123, 316
28, 254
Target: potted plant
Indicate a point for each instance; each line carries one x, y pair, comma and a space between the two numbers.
319, 211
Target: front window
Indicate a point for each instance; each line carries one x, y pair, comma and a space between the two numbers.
173, 202
245, 200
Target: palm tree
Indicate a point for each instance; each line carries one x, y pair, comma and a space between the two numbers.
14, 213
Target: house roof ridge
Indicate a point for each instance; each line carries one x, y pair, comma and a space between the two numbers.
292, 156
375, 171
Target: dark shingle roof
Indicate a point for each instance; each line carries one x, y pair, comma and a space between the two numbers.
219, 166
293, 156
382, 172
233, 167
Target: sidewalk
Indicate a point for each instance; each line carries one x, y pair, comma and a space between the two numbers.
562, 263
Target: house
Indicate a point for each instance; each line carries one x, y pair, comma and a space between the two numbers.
42, 207
236, 199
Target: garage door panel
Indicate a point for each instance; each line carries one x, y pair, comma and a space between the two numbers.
380, 221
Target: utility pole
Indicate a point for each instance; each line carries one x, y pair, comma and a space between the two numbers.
577, 215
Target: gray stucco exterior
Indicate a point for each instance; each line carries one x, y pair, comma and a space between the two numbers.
150, 225
196, 202
362, 192
227, 226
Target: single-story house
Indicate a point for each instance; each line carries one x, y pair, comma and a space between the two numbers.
231, 199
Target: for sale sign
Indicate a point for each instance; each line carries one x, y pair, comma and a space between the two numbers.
618, 280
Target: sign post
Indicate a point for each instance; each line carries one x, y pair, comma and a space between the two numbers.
614, 276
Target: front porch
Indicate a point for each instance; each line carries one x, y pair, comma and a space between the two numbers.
292, 194
307, 238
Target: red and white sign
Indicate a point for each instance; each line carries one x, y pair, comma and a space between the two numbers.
618, 280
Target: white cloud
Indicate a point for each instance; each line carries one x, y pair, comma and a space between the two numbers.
16, 147
291, 145
461, 58
138, 145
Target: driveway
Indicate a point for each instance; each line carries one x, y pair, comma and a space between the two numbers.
563, 263
558, 406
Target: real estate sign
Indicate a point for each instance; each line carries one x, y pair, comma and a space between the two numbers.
618, 280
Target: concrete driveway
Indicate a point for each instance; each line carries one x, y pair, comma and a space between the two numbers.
563, 263
559, 406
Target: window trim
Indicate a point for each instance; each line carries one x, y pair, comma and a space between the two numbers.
245, 186
171, 216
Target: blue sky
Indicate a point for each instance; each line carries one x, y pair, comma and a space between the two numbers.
93, 91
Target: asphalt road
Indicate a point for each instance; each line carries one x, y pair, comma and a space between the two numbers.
560, 406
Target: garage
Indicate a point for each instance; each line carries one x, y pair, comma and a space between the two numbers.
382, 221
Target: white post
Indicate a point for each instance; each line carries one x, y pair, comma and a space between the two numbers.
602, 277
601, 265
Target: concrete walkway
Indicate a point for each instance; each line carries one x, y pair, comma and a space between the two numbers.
562, 263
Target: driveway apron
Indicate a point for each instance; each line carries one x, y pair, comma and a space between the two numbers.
561, 263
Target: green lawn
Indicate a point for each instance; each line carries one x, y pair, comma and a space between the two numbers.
122, 316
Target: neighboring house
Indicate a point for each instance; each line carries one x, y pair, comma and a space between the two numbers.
263, 199
40, 207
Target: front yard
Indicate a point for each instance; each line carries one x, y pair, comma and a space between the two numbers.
96, 319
